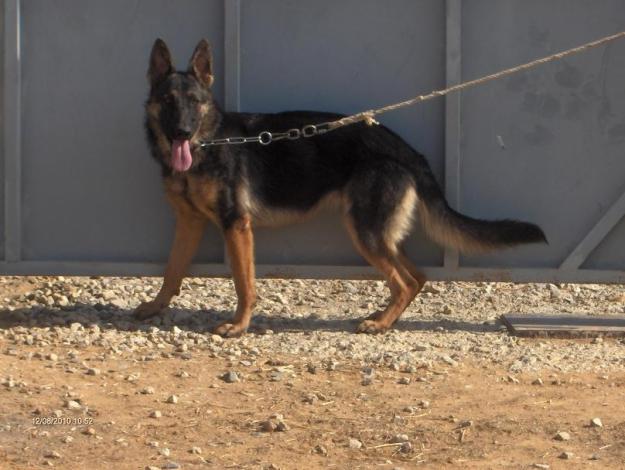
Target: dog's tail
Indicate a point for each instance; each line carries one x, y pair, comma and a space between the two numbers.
450, 228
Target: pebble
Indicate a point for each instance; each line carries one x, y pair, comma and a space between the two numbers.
73, 405
596, 423
171, 466
156, 414
147, 391
165, 452
354, 443
544, 466
404, 381
93, 371
562, 436
52, 455
173, 399
195, 450
566, 455
321, 450
230, 377
89, 431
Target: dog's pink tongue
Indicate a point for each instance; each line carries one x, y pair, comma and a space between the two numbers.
181, 155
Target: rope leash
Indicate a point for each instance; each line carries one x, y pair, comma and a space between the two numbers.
266, 137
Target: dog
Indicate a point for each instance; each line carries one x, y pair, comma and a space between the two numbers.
379, 183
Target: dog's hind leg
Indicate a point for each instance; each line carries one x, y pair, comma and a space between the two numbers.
377, 225
240, 248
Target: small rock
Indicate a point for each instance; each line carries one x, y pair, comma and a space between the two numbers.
173, 399
281, 426
424, 404
52, 357
89, 431
594, 457
538, 381
354, 443
230, 377
147, 391
562, 436
566, 455
152, 467
596, 423
268, 426
52, 455
183, 374
72, 405
399, 438
195, 450
311, 368
165, 452
544, 466
171, 466
67, 439
406, 448
404, 381
93, 371
321, 450
448, 360
156, 414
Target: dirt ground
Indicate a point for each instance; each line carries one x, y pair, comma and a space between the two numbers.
477, 417
333, 415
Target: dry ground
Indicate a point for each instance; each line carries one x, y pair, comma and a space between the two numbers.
467, 413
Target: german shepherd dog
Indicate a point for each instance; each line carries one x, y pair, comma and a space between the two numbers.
376, 179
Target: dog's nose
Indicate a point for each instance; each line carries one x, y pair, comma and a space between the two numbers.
183, 133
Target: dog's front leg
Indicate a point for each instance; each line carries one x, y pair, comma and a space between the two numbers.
240, 248
189, 230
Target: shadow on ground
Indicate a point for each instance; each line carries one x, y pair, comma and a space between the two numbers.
204, 321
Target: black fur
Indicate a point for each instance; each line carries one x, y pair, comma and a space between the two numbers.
369, 165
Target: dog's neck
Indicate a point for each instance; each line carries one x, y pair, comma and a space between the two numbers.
211, 122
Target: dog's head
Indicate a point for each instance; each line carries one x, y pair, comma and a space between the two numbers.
178, 102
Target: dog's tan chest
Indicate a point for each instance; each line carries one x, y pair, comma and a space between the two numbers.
194, 194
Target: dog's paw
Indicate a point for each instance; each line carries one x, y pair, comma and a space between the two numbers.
230, 330
371, 327
147, 310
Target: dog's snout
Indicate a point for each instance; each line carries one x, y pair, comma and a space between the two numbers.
183, 133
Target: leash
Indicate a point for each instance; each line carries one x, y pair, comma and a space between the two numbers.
266, 137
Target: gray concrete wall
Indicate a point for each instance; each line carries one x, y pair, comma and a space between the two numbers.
546, 145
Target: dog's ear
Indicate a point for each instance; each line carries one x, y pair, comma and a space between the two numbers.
160, 62
201, 63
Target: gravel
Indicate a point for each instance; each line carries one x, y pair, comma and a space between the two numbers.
448, 324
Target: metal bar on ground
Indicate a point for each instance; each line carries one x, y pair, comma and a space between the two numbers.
596, 235
12, 132
453, 76
564, 325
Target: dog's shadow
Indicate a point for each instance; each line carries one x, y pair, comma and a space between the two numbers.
108, 317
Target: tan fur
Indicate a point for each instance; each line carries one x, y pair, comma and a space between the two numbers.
240, 248
448, 235
264, 216
153, 111
401, 221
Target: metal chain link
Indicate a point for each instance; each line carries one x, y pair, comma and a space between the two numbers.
265, 137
